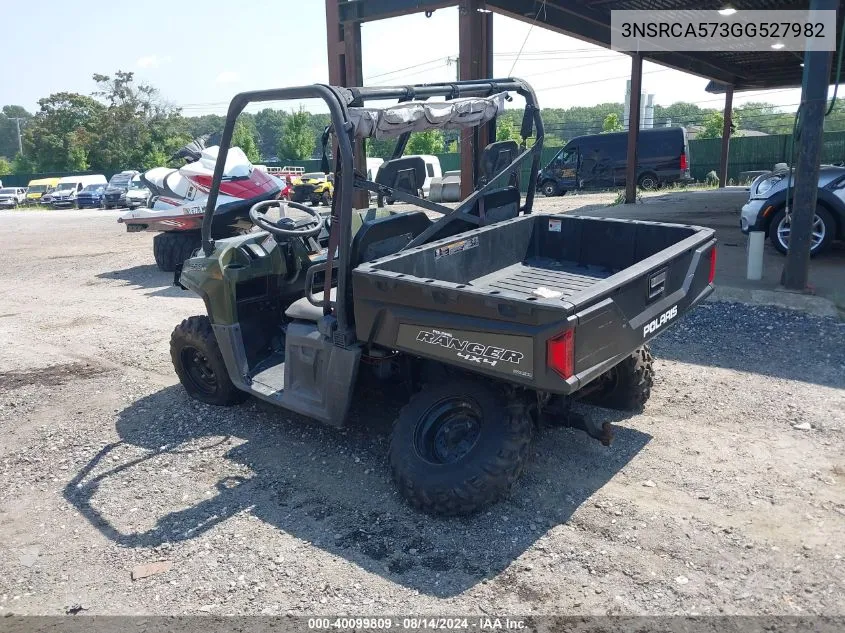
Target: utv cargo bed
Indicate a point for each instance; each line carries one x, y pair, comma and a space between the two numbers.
547, 301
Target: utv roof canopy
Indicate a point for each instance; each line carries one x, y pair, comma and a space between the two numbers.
421, 116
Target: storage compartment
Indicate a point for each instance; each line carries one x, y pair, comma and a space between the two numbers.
536, 256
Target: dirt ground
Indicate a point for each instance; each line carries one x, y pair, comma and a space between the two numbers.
727, 496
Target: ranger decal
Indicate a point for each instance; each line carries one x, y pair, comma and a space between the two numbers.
475, 352
504, 354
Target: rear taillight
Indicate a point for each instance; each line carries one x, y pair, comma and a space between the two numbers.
684, 164
712, 265
561, 354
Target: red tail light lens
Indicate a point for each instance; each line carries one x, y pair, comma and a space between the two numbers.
712, 264
561, 354
684, 165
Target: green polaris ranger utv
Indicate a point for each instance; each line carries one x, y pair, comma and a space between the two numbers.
494, 317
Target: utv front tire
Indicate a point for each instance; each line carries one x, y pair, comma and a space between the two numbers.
199, 364
458, 447
170, 249
627, 387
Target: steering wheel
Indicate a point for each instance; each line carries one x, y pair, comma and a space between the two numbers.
286, 227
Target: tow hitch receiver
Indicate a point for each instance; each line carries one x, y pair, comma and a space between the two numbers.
559, 412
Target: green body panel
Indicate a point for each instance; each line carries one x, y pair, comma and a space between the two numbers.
252, 256
236, 260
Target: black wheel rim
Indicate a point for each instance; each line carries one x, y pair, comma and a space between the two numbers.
448, 431
198, 371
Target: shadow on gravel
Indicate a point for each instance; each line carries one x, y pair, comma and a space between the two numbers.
328, 487
148, 277
759, 340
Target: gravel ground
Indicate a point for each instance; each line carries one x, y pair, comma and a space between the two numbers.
725, 496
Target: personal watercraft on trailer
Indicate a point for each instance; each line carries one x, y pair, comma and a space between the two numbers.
179, 197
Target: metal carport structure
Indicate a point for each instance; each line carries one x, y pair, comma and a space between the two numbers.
589, 20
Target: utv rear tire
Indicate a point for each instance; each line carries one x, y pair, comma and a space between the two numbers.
628, 385
172, 248
459, 446
199, 364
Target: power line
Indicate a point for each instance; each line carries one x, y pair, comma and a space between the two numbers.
525, 41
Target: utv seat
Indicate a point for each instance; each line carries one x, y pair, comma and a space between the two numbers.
499, 204
405, 174
376, 238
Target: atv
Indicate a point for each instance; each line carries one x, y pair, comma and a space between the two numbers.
315, 188
493, 319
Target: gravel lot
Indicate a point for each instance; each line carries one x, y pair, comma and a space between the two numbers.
726, 496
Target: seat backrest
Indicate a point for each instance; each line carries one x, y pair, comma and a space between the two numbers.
406, 174
496, 157
500, 204
385, 236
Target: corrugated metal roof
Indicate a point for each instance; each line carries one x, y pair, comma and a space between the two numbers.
589, 20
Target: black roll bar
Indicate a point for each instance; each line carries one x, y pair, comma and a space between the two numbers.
338, 99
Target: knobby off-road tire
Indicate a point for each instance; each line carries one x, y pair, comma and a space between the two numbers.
481, 468
171, 249
199, 364
628, 385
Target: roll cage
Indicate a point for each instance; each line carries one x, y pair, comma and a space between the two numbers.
339, 101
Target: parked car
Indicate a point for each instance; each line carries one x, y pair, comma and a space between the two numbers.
68, 189
91, 197
117, 188
766, 208
11, 197
598, 161
40, 187
137, 195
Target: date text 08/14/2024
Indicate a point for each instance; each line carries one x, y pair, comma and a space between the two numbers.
484, 623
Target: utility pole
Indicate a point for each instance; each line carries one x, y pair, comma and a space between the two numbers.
806, 170
20, 142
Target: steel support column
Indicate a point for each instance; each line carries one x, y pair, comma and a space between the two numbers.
633, 128
475, 30
346, 69
811, 127
726, 136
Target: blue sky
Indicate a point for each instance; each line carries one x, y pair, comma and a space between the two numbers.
198, 54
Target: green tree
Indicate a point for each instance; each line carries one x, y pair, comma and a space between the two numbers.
269, 125
611, 123
63, 119
22, 165
154, 157
298, 139
9, 128
77, 155
135, 121
5, 167
244, 138
714, 123
380, 147
505, 130
430, 142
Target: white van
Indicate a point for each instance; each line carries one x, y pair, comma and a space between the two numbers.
65, 193
432, 170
